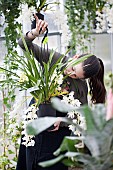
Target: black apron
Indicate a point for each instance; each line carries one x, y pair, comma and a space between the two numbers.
45, 144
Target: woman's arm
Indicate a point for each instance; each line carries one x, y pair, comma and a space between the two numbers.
39, 53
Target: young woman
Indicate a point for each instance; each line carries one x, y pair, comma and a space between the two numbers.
48, 141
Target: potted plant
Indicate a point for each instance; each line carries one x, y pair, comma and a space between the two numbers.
40, 6
97, 137
43, 82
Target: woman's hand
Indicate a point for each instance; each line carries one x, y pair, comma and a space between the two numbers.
41, 26
56, 124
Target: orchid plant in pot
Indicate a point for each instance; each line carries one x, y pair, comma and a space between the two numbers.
42, 81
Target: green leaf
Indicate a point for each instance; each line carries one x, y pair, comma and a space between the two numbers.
107, 164
70, 163
3, 69
107, 133
108, 128
99, 115
10, 152
90, 122
51, 162
25, 45
5, 100
68, 144
85, 158
60, 106
45, 40
39, 125
16, 58
78, 60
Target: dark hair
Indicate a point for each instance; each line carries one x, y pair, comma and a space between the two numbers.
93, 68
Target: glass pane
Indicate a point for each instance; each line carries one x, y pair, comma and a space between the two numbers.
102, 49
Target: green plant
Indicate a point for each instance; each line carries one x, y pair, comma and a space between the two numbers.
81, 20
42, 82
9, 124
40, 5
98, 138
109, 80
9, 140
11, 10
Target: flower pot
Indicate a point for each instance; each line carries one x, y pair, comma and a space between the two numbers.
40, 16
47, 110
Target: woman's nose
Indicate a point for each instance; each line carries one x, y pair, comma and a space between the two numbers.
71, 72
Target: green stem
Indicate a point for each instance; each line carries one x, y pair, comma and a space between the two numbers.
4, 125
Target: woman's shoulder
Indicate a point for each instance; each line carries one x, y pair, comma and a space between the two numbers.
78, 81
79, 85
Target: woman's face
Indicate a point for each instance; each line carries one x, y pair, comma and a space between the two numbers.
75, 72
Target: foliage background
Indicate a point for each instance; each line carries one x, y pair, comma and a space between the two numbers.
81, 22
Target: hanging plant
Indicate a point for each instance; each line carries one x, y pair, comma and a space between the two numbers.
104, 19
11, 10
81, 16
